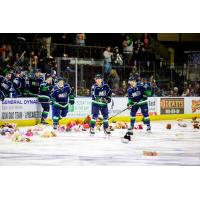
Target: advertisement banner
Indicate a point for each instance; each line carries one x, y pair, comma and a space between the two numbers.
172, 106
20, 108
30, 108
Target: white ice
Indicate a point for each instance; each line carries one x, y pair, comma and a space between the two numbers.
178, 146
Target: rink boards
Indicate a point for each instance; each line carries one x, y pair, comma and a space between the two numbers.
27, 111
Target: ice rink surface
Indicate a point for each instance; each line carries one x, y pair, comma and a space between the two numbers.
178, 146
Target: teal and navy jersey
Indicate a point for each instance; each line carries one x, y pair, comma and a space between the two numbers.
61, 96
7, 88
45, 91
34, 84
138, 94
101, 92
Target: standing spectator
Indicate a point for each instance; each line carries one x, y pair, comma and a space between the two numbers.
107, 54
80, 39
138, 49
197, 90
127, 50
117, 57
42, 58
146, 41
17, 60
117, 60
113, 78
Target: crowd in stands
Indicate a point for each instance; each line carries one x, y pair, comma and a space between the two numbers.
21, 73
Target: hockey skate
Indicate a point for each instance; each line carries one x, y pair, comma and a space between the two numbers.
107, 131
92, 132
148, 129
130, 131
44, 122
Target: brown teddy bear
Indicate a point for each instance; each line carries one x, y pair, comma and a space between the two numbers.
168, 126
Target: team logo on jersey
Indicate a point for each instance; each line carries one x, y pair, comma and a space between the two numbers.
5, 86
102, 93
63, 95
135, 94
16, 81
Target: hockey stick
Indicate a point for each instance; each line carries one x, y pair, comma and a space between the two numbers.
19, 59
118, 113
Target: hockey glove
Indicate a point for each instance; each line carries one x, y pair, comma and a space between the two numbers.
108, 100
71, 101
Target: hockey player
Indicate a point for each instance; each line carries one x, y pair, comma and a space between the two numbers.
34, 83
137, 98
101, 96
44, 97
17, 82
62, 96
6, 86
2, 95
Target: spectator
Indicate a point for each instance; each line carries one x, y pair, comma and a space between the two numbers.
107, 67
186, 93
113, 78
117, 60
146, 41
17, 60
80, 39
42, 57
138, 49
127, 50
196, 90
117, 57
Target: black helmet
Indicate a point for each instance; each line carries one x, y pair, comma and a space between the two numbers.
98, 76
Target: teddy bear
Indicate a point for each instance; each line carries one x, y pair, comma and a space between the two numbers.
168, 126
48, 134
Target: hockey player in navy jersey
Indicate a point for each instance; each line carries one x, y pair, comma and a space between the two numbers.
101, 96
34, 83
44, 97
6, 86
137, 98
62, 96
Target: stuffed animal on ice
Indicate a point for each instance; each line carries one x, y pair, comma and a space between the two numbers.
29, 133
150, 153
121, 125
196, 126
8, 128
87, 120
181, 123
36, 130
168, 126
138, 127
194, 120
18, 137
48, 134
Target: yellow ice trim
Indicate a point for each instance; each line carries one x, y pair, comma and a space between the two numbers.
32, 122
